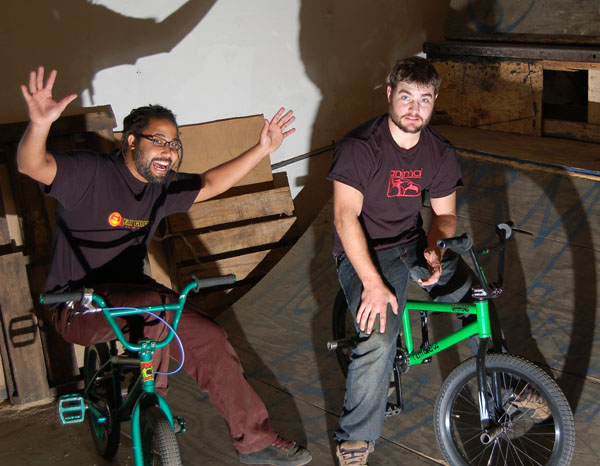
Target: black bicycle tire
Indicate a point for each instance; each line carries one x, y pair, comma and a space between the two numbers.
106, 435
338, 326
157, 434
509, 366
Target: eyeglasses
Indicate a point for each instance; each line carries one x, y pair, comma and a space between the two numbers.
159, 141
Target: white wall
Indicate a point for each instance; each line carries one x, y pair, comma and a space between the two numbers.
215, 59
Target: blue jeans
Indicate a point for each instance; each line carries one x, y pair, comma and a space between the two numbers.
372, 360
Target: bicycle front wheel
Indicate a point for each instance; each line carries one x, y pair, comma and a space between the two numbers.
101, 396
532, 423
159, 445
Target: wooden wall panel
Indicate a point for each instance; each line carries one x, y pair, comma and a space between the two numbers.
491, 94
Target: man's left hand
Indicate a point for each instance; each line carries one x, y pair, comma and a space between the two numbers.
273, 132
434, 263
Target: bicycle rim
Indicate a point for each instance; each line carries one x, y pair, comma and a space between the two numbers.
159, 444
533, 423
105, 429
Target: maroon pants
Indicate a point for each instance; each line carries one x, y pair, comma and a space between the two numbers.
209, 357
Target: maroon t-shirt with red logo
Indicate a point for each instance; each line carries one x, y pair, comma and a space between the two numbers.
393, 181
106, 217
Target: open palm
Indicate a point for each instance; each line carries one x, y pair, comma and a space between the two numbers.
43, 109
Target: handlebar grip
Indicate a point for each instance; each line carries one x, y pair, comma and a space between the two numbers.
228, 279
460, 244
505, 228
55, 298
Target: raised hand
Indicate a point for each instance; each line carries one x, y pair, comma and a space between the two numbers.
273, 132
43, 109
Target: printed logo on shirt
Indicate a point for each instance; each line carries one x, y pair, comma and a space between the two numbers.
403, 183
117, 220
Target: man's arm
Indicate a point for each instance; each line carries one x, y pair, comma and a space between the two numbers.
443, 225
219, 179
32, 157
347, 206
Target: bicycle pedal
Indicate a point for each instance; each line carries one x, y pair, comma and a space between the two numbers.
392, 410
179, 425
71, 409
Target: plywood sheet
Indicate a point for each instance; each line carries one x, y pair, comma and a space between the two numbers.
207, 145
490, 94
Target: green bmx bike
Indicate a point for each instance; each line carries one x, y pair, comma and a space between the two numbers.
109, 401
494, 408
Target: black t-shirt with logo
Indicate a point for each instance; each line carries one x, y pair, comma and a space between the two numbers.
106, 218
393, 181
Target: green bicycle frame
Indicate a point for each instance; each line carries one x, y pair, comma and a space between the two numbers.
142, 394
481, 327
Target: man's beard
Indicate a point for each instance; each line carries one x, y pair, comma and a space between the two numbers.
143, 166
398, 122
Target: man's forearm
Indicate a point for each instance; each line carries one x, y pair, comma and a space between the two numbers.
355, 246
33, 158
222, 177
442, 226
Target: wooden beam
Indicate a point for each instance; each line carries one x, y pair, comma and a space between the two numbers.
594, 96
29, 380
192, 247
572, 130
234, 209
557, 65
95, 120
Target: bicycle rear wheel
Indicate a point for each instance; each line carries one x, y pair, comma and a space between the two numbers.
104, 427
159, 445
532, 421
343, 328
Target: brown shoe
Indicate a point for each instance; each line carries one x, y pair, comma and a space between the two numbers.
530, 403
354, 453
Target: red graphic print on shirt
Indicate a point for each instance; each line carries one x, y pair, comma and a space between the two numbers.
404, 183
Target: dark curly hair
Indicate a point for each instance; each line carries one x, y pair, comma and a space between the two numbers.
415, 70
138, 120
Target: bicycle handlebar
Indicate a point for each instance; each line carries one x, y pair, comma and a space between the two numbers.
55, 298
460, 244
195, 285
464, 245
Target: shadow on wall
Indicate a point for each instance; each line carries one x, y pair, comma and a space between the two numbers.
348, 49
79, 39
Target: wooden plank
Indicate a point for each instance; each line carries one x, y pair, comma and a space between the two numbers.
20, 329
575, 158
95, 119
229, 240
551, 20
234, 209
492, 95
241, 266
556, 65
10, 229
572, 130
449, 48
209, 144
594, 96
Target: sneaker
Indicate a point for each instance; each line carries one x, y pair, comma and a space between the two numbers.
532, 403
354, 453
280, 453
